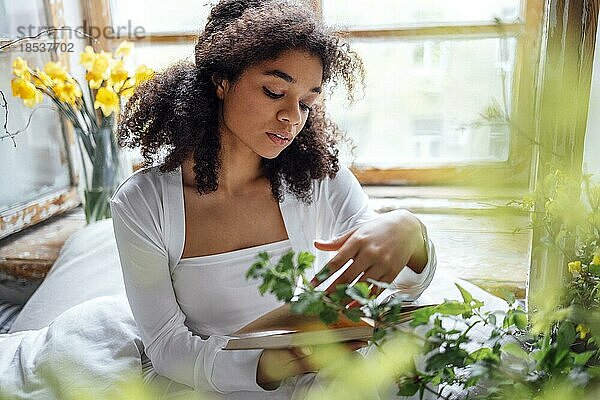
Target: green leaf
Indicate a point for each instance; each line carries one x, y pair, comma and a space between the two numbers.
359, 292
378, 334
353, 314
264, 256
514, 350
520, 319
266, 285
328, 315
282, 289
422, 315
407, 387
467, 297
594, 269
582, 358
309, 303
286, 262
484, 353
452, 307
566, 335
305, 259
508, 296
451, 357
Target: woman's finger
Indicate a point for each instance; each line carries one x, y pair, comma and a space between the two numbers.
361, 263
346, 253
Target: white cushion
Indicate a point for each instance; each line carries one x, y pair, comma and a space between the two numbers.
91, 348
87, 267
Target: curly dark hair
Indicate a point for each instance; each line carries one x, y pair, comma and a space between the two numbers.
176, 110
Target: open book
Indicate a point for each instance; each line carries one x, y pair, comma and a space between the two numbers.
281, 328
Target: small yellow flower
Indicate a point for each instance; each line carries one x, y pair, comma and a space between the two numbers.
107, 100
118, 75
40, 78
143, 73
583, 331
99, 71
87, 58
27, 91
21, 69
56, 71
67, 92
574, 267
128, 88
124, 49
596, 260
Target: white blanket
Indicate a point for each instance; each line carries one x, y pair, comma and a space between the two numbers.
89, 348
80, 313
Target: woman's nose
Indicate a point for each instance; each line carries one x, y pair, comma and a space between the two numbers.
291, 114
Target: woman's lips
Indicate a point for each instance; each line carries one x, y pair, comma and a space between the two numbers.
277, 140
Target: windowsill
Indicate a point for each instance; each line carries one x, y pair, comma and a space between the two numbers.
473, 241
29, 254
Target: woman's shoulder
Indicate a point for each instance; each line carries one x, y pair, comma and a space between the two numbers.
327, 187
342, 177
143, 184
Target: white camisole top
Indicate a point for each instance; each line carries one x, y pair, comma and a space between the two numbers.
233, 301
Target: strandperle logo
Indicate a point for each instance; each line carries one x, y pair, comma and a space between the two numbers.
128, 31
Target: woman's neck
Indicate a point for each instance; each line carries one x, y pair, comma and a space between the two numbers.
240, 173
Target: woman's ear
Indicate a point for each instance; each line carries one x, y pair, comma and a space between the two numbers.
221, 85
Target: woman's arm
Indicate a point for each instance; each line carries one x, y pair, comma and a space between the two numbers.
380, 245
174, 351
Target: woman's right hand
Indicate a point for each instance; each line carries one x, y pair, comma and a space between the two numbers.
274, 365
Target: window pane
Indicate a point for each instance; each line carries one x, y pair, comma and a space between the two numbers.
159, 16
15, 19
389, 13
38, 164
158, 56
423, 101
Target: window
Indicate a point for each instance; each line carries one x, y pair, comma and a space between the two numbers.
434, 67
36, 169
448, 60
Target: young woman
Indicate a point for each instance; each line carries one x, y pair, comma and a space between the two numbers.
250, 165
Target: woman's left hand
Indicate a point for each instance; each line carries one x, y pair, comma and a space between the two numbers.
380, 248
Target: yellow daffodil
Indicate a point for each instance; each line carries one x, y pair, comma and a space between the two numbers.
21, 69
56, 71
99, 70
27, 91
40, 78
124, 49
596, 260
574, 267
98, 73
143, 73
87, 58
583, 331
67, 91
107, 100
118, 75
128, 88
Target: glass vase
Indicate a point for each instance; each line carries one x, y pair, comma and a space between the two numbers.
109, 168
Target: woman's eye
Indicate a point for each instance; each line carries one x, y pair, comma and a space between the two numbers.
271, 94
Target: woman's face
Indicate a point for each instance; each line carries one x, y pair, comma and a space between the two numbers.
273, 97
